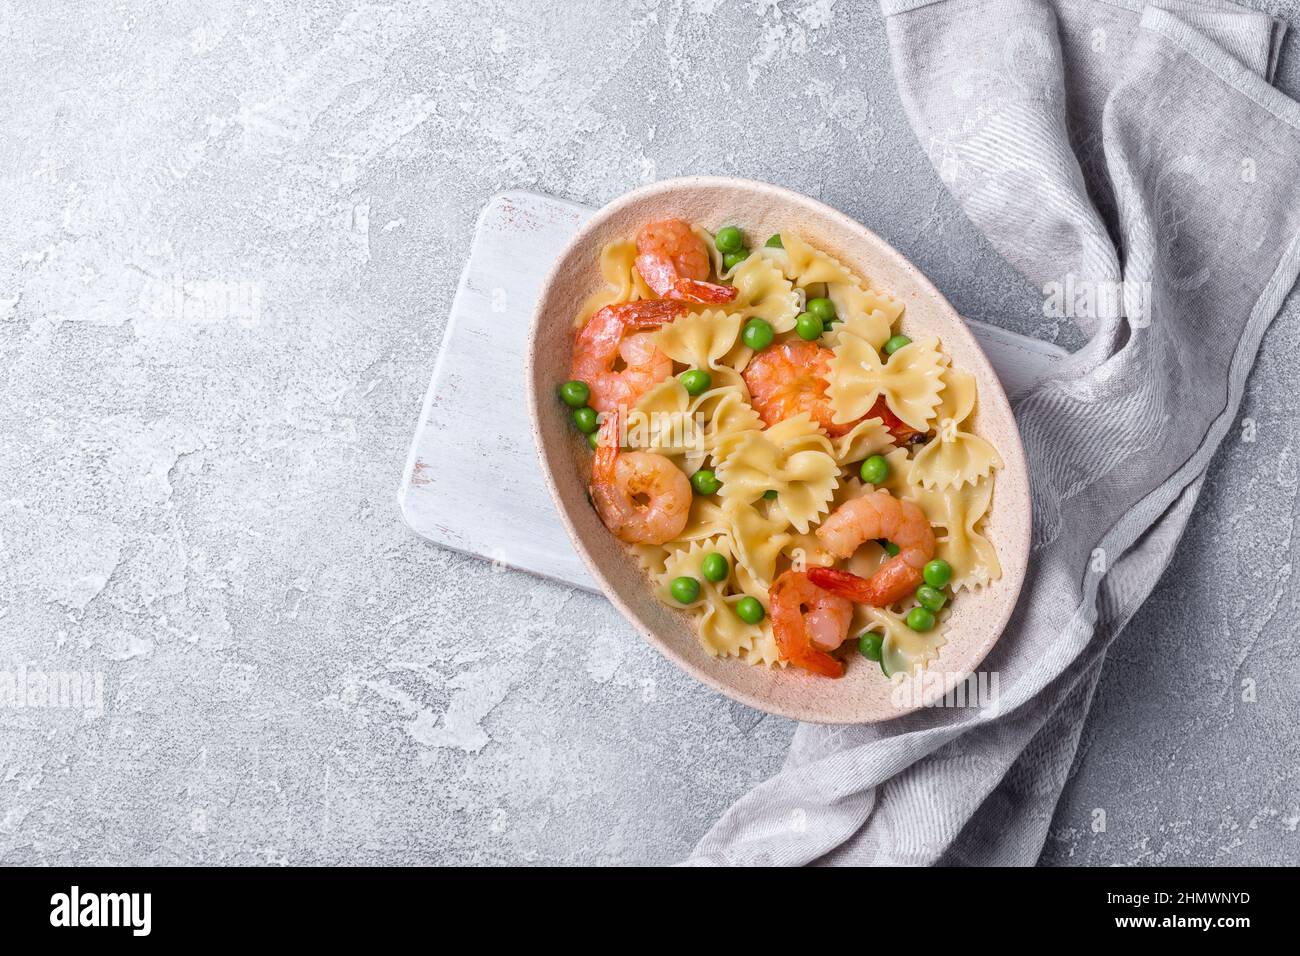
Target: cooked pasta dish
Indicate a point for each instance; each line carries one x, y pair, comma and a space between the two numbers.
789, 465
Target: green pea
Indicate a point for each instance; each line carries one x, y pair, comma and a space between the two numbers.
808, 326
919, 618
705, 482
932, 599
695, 381
774, 241
714, 567
575, 394
586, 419
869, 645
891, 549
749, 610
823, 308
684, 590
874, 470
733, 259
896, 343
770, 494
757, 334
594, 440
937, 573
729, 239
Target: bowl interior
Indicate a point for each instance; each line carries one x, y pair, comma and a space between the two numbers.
863, 695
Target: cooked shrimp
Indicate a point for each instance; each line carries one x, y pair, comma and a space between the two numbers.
643, 498
676, 241
788, 379
674, 262
875, 516
808, 621
618, 332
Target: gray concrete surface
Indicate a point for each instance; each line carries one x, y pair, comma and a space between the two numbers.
197, 487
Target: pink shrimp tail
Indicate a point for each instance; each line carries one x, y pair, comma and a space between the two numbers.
693, 290
661, 276
606, 457
844, 583
893, 582
652, 314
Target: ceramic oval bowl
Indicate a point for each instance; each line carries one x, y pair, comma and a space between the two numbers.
863, 695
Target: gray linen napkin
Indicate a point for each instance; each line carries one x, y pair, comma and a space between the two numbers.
1117, 146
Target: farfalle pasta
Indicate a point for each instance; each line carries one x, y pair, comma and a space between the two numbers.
848, 293
763, 290
707, 340
788, 466
868, 437
958, 513
622, 282
791, 462
759, 537
955, 457
909, 380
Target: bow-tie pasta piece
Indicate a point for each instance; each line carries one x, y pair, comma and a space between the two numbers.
721, 632
959, 512
954, 457
874, 327
724, 634
662, 423
652, 558
705, 520
622, 282
793, 459
899, 480
708, 340
757, 540
761, 290
868, 437
853, 298
910, 380
727, 416
904, 650
764, 653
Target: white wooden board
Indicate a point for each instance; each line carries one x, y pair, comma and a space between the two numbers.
472, 481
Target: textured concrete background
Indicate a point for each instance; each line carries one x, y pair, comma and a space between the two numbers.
197, 487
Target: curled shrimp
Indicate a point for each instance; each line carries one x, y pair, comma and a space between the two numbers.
675, 263
874, 516
621, 332
643, 498
789, 379
808, 621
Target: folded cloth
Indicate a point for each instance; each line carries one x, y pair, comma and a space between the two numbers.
1134, 160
